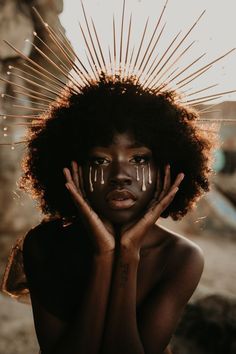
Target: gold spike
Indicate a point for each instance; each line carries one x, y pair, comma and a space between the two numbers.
23, 56
99, 45
154, 32
91, 66
15, 143
56, 93
91, 38
211, 111
217, 120
63, 72
194, 78
27, 123
203, 101
36, 77
90, 53
174, 62
183, 70
204, 89
20, 116
85, 73
121, 33
36, 97
166, 51
213, 95
208, 107
150, 54
59, 83
64, 47
127, 46
109, 52
130, 61
26, 88
3, 95
140, 46
114, 43
206, 66
179, 44
51, 51
28, 108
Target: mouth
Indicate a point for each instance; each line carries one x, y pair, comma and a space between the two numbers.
120, 199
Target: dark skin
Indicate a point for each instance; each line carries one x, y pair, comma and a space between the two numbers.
142, 275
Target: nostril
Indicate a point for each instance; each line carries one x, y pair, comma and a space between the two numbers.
120, 181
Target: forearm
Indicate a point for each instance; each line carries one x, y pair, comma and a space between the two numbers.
121, 334
85, 335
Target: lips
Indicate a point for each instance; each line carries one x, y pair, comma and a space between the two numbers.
120, 199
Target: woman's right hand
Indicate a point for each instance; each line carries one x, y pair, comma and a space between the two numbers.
101, 232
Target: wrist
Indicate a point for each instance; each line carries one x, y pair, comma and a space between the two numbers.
129, 251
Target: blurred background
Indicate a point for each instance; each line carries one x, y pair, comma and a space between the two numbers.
209, 322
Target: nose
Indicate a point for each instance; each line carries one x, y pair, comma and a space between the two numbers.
120, 175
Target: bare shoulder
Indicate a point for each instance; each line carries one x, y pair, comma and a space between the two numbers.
185, 263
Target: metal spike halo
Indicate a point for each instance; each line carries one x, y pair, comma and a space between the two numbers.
121, 60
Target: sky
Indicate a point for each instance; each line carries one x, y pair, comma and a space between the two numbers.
215, 33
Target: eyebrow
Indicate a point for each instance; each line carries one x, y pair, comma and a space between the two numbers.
134, 147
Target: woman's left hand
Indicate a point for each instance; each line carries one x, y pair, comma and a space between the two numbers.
132, 236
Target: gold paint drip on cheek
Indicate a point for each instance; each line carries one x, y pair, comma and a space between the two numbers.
95, 175
149, 174
143, 181
102, 176
137, 173
90, 179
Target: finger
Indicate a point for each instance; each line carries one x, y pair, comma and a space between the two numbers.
68, 176
178, 180
69, 180
156, 193
157, 209
77, 198
157, 189
81, 182
75, 172
167, 182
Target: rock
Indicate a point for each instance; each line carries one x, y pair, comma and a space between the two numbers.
207, 327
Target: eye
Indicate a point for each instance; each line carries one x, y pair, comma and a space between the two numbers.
98, 160
140, 159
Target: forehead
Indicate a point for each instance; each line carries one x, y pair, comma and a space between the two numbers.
125, 140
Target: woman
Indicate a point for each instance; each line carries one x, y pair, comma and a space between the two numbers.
106, 164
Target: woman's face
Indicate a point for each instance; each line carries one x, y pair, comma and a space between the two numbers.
120, 179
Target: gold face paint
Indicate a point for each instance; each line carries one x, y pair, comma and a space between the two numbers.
90, 179
137, 173
143, 181
95, 175
149, 174
102, 176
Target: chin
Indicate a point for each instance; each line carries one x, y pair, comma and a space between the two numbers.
121, 217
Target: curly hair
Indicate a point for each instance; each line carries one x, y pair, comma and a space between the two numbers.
81, 121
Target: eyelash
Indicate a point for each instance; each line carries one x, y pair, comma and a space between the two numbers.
142, 160
98, 161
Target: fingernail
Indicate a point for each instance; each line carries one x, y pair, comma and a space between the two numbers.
176, 189
67, 186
